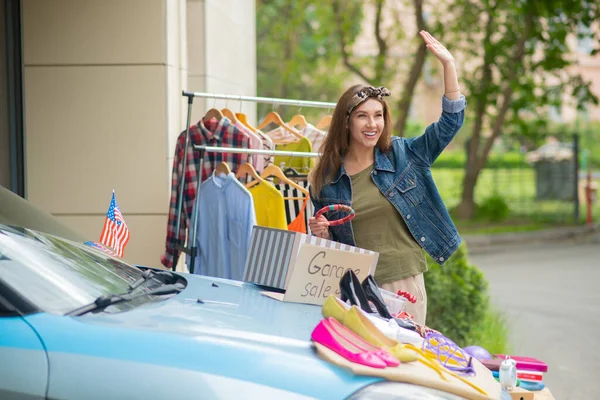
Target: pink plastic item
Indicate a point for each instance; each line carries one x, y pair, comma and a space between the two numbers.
527, 363
359, 342
323, 335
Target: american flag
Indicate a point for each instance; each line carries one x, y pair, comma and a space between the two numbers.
101, 247
115, 233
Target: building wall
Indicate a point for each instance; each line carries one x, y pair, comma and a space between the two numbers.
4, 129
222, 53
103, 82
97, 78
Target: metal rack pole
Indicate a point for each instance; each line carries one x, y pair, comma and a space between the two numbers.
192, 243
179, 246
267, 100
235, 150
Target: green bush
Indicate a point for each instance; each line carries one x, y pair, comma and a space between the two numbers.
451, 159
413, 128
492, 333
494, 209
457, 298
457, 159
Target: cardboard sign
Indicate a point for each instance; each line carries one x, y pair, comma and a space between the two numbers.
274, 252
316, 273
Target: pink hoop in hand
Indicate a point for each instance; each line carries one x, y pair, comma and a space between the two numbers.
337, 207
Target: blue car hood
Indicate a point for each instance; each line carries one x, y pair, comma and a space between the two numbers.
218, 327
222, 307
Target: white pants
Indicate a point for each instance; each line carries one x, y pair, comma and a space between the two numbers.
414, 285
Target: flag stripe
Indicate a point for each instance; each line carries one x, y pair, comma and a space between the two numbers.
115, 233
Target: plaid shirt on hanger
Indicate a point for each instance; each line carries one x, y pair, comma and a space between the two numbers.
211, 133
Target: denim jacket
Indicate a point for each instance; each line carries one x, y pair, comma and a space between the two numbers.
403, 175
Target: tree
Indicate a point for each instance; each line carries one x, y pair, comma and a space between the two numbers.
522, 59
298, 55
520, 55
305, 48
379, 70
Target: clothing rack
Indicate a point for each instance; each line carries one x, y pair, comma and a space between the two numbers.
192, 250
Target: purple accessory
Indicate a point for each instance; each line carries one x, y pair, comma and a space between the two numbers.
446, 350
478, 352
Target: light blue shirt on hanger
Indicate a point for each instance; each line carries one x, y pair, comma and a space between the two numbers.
225, 221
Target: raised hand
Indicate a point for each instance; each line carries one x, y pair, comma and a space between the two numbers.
438, 49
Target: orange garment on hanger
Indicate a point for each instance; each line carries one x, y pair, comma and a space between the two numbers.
299, 223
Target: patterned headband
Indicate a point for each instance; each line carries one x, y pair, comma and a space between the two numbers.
364, 94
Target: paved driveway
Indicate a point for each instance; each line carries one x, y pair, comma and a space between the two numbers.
551, 294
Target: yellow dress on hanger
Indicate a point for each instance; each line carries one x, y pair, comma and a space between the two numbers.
269, 206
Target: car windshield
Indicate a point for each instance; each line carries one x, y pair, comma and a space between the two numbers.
57, 275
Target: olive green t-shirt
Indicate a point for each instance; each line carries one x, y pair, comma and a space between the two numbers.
379, 227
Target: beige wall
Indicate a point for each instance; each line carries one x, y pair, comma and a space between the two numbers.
103, 82
221, 58
98, 80
222, 53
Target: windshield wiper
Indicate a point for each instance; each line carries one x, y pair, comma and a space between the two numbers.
105, 301
147, 274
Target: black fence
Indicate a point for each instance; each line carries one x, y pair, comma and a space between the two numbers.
544, 186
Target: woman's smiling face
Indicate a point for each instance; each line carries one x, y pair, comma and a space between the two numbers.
366, 124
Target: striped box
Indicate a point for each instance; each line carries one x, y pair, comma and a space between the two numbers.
273, 252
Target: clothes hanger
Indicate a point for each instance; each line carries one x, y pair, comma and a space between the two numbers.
292, 173
275, 171
247, 168
229, 114
324, 122
213, 113
242, 118
299, 120
275, 118
222, 168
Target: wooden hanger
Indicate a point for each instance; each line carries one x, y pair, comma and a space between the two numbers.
298, 119
247, 168
213, 113
222, 168
273, 117
324, 122
229, 114
275, 171
242, 118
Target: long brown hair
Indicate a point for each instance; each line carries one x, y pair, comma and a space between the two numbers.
337, 141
